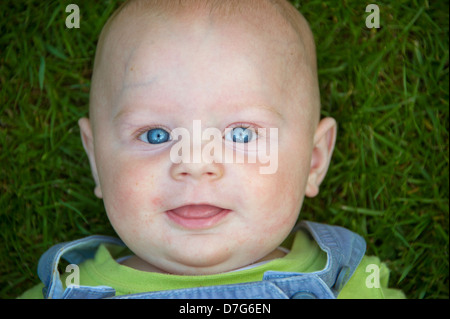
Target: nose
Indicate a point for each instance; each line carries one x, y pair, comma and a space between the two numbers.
197, 171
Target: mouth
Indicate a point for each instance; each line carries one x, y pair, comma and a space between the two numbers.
197, 216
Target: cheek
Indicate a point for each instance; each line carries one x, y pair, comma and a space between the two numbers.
122, 195
129, 189
279, 196
287, 185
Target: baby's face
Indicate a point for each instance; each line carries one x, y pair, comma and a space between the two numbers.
202, 218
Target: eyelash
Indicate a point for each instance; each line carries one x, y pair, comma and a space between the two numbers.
145, 129
252, 127
246, 126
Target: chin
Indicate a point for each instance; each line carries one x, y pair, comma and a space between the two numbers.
202, 264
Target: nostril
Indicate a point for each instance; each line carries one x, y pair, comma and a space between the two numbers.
197, 171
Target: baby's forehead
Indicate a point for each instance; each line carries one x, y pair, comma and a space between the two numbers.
271, 12
270, 19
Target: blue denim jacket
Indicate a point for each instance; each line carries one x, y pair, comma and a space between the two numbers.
344, 249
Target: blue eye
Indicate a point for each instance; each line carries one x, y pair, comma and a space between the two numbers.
241, 135
155, 136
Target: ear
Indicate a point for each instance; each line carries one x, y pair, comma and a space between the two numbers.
88, 144
324, 141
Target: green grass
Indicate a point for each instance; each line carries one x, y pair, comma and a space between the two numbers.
387, 88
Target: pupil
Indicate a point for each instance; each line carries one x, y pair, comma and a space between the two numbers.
241, 135
157, 136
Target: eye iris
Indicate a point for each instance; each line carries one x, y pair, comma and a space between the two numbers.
157, 136
241, 135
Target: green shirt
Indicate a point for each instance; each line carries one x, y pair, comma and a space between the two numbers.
370, 279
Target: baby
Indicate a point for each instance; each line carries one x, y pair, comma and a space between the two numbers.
198, 223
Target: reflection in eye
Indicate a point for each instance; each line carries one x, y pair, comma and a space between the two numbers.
155, 136
241, 135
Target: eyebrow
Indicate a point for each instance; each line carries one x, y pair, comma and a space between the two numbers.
124, 112
265, 107
272, 110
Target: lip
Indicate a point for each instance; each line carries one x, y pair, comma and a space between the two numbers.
198, 216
